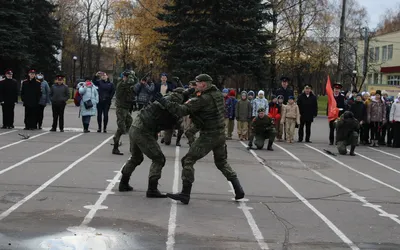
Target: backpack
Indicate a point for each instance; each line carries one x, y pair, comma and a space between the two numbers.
77, 98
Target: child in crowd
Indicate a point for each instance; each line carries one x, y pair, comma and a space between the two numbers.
290, 117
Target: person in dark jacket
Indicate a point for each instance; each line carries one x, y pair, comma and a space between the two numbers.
308, 106
164, 86
387, 132
340, 104
359, 110
8, 99
284, 90
30, 96
44, 99
347, 133
106, 91
262, 128
59, 95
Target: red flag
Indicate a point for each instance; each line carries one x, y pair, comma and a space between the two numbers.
333, 111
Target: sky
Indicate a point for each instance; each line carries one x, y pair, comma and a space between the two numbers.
376, 8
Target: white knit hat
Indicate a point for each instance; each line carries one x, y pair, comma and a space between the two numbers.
261, 92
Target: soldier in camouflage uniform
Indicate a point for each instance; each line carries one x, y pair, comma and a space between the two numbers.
347, 128
124, 102
262, 128
143, 140
191, 130
179, 126
207, 112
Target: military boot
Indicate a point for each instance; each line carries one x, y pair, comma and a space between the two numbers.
152, 190
184, 195
269, 148
352, 150
239, 193
115, 150
124, 184
178, 142
250, 145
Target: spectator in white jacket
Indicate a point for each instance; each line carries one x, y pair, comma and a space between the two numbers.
394, 118
259, 102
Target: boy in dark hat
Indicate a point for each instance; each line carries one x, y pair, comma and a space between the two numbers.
30, 96
308, 107
262, 128
359, 111
340, 104
8, 99
59, 95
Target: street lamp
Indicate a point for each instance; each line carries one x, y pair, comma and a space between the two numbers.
151, 70
354, 80
74, 58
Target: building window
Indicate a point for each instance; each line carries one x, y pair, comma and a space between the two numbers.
376, 79
384, 53
394, 80
377, 54
369, 78
371, 54
390, 52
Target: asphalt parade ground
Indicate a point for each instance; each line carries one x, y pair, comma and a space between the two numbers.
59, 191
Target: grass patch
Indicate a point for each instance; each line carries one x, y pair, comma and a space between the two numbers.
322, 104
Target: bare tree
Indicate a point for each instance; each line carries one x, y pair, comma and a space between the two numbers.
102, 21
89, 14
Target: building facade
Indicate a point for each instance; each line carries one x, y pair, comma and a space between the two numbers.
383, 67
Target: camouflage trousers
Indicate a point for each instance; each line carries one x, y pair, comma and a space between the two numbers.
124, 122
144, 142
200, 148
269, 134
191, 132
352, 140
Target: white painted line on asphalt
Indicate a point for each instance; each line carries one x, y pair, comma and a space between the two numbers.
383, 152
379, 163
21, 141
252, 223
330, 224
51, 180
353, 195
79, 130
98, 205
37, 155
172, 214
355, 170
9, 132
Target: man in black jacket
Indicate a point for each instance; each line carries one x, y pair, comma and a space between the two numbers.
284, 90
308, 106
30, 96
59, 95
359, 110
8, 99
340, 104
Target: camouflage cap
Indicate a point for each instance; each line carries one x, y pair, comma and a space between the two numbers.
203, 78
261, 110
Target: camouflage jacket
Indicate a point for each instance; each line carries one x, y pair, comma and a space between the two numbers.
344, 127
124, 93
206, 110
261, 125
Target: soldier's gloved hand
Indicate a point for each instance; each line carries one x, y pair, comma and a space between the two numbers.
191, 91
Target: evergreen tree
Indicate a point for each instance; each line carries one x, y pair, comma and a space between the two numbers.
221, 38
29, 37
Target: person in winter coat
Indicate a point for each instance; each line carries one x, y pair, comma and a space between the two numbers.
274, 112
44, 99
106, 91
30, 96
88, 105
250, 97
308, 107
59, 95
341, 105
260, 102
8, 99
376, 114
395, 121
284, 90
243, 113
230, 105
365, 127
144, 91
387, 127
281, 129
359, 111
290, 117
347, 133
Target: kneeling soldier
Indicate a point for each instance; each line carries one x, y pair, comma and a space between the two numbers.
143, 140
347, 128
262, 128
